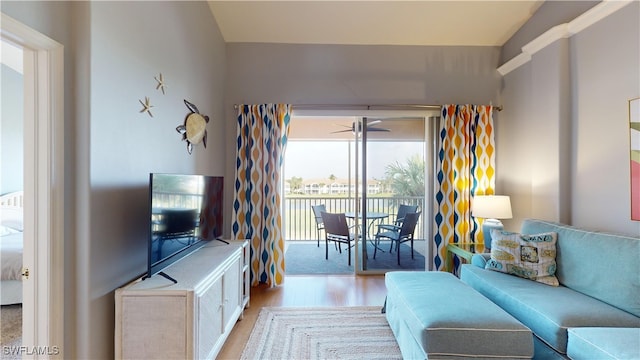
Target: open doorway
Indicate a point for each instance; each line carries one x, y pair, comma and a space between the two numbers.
11, 188
364, 171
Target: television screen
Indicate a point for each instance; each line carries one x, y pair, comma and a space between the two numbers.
185, 211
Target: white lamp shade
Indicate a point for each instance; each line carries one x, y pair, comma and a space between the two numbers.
491, 207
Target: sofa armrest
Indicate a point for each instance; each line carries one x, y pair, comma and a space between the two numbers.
480, 260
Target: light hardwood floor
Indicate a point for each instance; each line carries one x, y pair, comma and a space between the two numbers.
305, 291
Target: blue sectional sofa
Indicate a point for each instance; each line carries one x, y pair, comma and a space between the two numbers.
595, 311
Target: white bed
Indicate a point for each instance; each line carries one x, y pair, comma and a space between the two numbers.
11, 227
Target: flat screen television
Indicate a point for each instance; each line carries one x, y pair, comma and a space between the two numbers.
185, 211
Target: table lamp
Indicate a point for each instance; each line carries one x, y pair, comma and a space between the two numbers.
491, 208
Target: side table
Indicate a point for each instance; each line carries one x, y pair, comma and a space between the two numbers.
463, 250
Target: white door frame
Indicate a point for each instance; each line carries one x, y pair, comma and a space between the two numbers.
43, 290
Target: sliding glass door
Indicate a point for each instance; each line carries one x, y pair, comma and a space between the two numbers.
390, 173
365, 168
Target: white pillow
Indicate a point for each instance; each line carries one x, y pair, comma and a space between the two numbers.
12, 217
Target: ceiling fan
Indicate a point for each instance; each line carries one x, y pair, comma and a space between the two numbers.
355, 124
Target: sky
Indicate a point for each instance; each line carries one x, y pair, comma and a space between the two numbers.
320, 159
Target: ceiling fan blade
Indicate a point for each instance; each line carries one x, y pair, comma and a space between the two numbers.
346, 129
352, 128
370, 126
377, 129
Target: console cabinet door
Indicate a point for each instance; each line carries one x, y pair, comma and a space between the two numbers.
210, 326
155, 327
232, 298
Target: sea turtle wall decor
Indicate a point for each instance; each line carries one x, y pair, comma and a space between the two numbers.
194, 128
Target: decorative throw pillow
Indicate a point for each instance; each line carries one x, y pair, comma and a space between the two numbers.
528, 256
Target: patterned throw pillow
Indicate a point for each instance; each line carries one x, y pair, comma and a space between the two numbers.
528, 256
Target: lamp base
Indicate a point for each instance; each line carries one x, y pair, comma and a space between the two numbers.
487, 226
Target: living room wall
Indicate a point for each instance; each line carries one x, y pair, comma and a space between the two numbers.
113, 51
563, 138
356, 74
548, 15
131, 43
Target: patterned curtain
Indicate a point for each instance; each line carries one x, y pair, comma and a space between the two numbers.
261, 141
465, 167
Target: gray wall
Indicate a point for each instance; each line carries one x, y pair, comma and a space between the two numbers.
605, 67
563, 138
11, 131
344, 74
181, 41
116, 49
351, 74
550, 14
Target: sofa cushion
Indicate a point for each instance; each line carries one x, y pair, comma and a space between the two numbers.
548, 311
604, 343
603, 266
531, 257
434, 314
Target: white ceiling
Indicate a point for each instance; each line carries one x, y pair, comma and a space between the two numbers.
391, 22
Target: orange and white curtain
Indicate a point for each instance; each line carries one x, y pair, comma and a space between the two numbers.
261, 141
465, 167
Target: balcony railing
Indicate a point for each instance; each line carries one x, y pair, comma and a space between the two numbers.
300, 223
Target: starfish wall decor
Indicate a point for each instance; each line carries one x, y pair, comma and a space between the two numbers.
146, 106
161, 84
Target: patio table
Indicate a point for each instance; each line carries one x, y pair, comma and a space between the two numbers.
372, 217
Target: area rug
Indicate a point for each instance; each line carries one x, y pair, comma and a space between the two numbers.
359, 332
10, 330
308, 258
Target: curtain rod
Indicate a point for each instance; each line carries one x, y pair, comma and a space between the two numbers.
368, 107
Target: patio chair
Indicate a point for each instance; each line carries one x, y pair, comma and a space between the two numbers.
399, 235
397, 223
336, 229
317, 211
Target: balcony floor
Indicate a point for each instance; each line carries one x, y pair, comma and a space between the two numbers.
305, 257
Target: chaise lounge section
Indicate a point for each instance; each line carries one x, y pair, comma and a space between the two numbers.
435, 315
